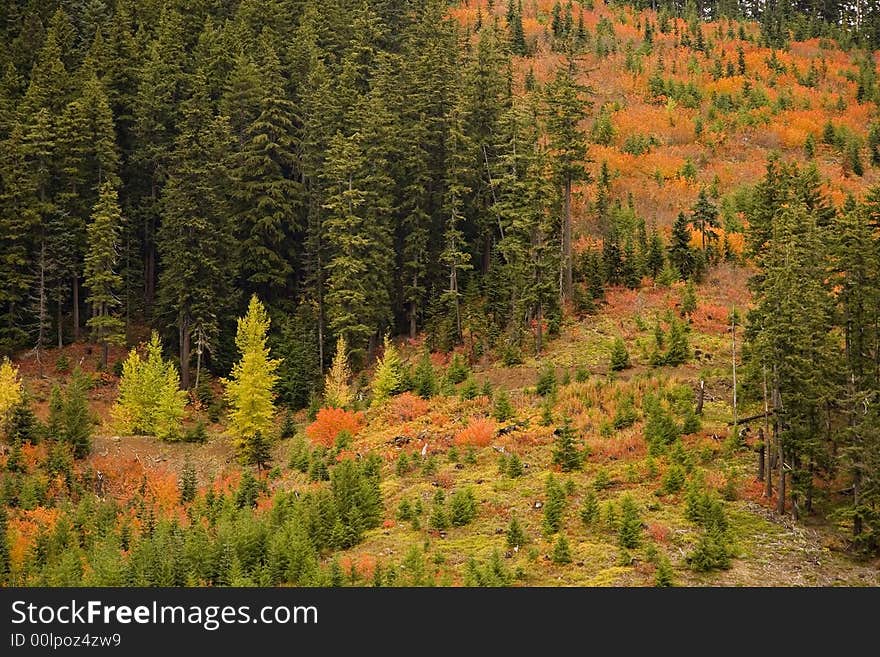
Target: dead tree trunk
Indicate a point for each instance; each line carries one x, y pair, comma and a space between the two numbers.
701, 391
184, 351
761, 463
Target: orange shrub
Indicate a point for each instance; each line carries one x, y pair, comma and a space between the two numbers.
330, 422
444, 479
479, 432
345, 455
659, 533
622, 445
363, 565
710, 317
408, 406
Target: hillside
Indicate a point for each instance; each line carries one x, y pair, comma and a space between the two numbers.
570, 224
441, 455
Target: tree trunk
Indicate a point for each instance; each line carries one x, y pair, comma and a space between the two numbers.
700, 394
761, 462
149, 276
808, 494
540, 322
75, 308
857, 493
60, 321
733, 332
453, 287
43, 310
150, 254
566, 243
780, 494
768, 472
199, 349
319, 273
413, 309
184, 351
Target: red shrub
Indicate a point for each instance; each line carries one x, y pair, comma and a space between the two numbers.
659, 533
408, 406
330, 422
479, 432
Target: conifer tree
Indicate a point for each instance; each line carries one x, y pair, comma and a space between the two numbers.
561, 551
188, 482
195, 239
589, 511
337, 392
10, 389
619, 355
565, 452
160, 85
424, 377
630, 526
55, 422
516, 537
78, 427
790, 336
266, 195
101, 273
704, 217
856, 263
566, 106
388, 379
355, 302
503, 409
664, 574
150, 400
249, 388
454, 256
554, 505
515, 28
681, 256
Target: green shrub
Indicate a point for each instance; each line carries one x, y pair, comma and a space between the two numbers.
196, 434
516, 537
462, 507
619, 356
673, 480
629, 531
546, 384
625, 415
554, 505
503, 409
458, 369
561, 551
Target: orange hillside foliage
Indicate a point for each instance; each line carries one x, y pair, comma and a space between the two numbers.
330, 422
479, 432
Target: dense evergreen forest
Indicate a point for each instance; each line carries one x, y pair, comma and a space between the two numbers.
362, 167
312, 180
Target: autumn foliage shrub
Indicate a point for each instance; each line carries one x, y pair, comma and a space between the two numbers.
330, 422
479, 432
408, 406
